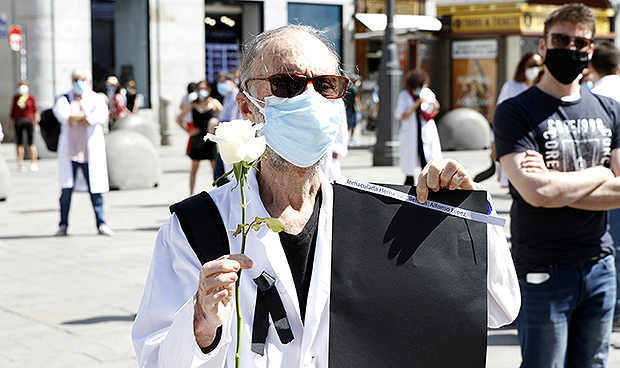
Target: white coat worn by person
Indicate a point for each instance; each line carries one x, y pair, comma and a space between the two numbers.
82, 161
415, 102
187, 317
165, 338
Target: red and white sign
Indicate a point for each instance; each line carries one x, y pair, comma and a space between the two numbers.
15, 37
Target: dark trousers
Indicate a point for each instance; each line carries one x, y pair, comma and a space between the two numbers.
95, 198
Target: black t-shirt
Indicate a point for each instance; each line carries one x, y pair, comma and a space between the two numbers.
571, 136
299, 250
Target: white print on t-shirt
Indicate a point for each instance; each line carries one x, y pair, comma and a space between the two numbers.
573, 145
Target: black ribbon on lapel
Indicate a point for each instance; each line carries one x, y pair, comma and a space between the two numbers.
268, 302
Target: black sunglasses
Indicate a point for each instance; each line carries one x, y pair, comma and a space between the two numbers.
291, 85
562, 41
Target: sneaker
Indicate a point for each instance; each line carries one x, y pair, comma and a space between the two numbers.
21, 168
105, 230
62, 231
34, 167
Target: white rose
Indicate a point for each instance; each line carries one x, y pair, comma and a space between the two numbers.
238, 141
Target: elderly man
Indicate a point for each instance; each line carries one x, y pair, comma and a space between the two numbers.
186, 317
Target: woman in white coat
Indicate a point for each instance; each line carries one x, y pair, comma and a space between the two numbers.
419, 140
81, 148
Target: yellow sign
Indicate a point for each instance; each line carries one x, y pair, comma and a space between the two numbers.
477, 23
510, 18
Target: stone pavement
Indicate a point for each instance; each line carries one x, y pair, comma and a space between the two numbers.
70, 301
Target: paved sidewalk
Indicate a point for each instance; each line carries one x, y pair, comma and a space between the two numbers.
70, 301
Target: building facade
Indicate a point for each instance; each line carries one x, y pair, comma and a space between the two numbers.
160, 44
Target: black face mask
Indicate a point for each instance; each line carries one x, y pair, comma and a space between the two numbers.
565, 65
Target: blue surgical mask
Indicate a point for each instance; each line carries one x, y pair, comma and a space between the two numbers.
223, 88
300, 129
203, 94
79, 86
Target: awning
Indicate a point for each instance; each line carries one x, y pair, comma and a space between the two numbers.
403, 24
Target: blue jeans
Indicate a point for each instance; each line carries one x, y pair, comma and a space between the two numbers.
65, 197
566, 321
614, 230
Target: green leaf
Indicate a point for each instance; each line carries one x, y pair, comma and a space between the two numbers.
274, 224
221, 177
239, 230
238, 170
256, 226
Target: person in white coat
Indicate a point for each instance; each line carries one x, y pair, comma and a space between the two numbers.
416, 108
81, 148
186, 317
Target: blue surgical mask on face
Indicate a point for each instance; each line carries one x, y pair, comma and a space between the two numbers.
301, 128
203, 94
223, 88
79, 86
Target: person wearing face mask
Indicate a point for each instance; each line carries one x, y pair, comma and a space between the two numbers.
228, 89
81, 148
416, 108
204, 111
291, 82
25, 117
560, 147
526, 72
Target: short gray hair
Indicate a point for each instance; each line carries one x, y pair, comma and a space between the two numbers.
256, 45
85, 72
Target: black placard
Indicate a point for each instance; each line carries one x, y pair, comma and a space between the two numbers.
408, 283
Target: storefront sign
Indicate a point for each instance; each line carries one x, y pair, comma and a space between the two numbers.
474, 75
474, 49
475, 23
510, 18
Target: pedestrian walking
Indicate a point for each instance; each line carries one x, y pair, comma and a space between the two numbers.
204, 110
25, 117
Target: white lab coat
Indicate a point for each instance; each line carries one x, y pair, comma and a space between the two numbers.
163, 330
608, 86
96, 112
409, 160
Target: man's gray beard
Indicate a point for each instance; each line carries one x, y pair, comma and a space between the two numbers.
281, 165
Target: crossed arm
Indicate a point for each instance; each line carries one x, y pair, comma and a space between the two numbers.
595, 189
